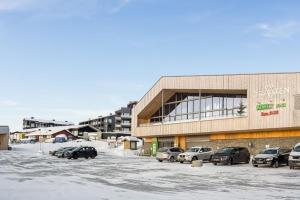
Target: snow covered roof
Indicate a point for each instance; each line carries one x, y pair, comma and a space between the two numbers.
56, 129
46, 132
130, 139
4, 130
49, 121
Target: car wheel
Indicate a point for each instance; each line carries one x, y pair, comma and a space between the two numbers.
215, 163
210, 159
93, 157
230, 162
75, 156
255, 165
172, 159
159, 160
181, 162
276, 164
86, 157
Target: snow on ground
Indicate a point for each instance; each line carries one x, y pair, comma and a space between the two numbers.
118, 174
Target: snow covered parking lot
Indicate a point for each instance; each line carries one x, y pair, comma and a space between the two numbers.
115, 174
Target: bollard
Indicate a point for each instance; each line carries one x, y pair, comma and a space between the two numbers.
197, 163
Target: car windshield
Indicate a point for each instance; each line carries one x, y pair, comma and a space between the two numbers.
225, 150
162, 150
193, 150
269, 151
297, 148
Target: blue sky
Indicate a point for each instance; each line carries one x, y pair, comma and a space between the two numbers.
76, 59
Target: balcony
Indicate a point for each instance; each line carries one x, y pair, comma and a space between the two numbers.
126, 116
118, 118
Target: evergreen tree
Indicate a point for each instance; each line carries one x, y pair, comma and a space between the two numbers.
241, 110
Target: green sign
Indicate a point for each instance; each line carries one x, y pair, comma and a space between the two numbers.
154, 147
264, 106
269, 106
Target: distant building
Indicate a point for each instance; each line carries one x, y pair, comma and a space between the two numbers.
120, 121
16, 136
4, 136
29, 123
70, 132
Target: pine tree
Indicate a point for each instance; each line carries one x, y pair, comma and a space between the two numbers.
241, 110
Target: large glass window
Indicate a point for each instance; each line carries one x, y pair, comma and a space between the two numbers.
190, 106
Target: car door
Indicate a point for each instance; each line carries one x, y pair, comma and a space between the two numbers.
81, 152
236, 155
209, 153
201, 154
205, 153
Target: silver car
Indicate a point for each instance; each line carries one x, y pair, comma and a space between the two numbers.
168, 153
196, 153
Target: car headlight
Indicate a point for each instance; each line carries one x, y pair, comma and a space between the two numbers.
269, 159
290, 157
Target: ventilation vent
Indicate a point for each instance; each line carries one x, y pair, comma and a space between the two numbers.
297, 102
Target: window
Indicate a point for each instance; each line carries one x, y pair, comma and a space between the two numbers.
189, 106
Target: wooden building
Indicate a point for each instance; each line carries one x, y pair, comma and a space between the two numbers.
252, 110
4, 137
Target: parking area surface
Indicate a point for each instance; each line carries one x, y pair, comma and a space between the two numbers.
25, 174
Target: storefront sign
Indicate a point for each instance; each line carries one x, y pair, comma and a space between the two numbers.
268, 109
154, 147
272, 112
269, 106
271, 91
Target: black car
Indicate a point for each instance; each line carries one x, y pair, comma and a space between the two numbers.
272, 157
82, 152
231, 155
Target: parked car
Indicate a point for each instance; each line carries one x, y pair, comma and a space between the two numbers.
294, 158
82, 152
62, 153
231, 155
272, 157
28, 141
53, 153
168, 153
196, 153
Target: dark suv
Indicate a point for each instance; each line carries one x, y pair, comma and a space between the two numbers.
272, 157
82, 152
231, 155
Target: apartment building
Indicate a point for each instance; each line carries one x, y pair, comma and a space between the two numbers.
29, 123
120, 121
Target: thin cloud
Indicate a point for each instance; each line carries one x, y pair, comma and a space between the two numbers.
279, 31
63, 8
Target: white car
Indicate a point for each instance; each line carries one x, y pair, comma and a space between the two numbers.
294, 159
196, 153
